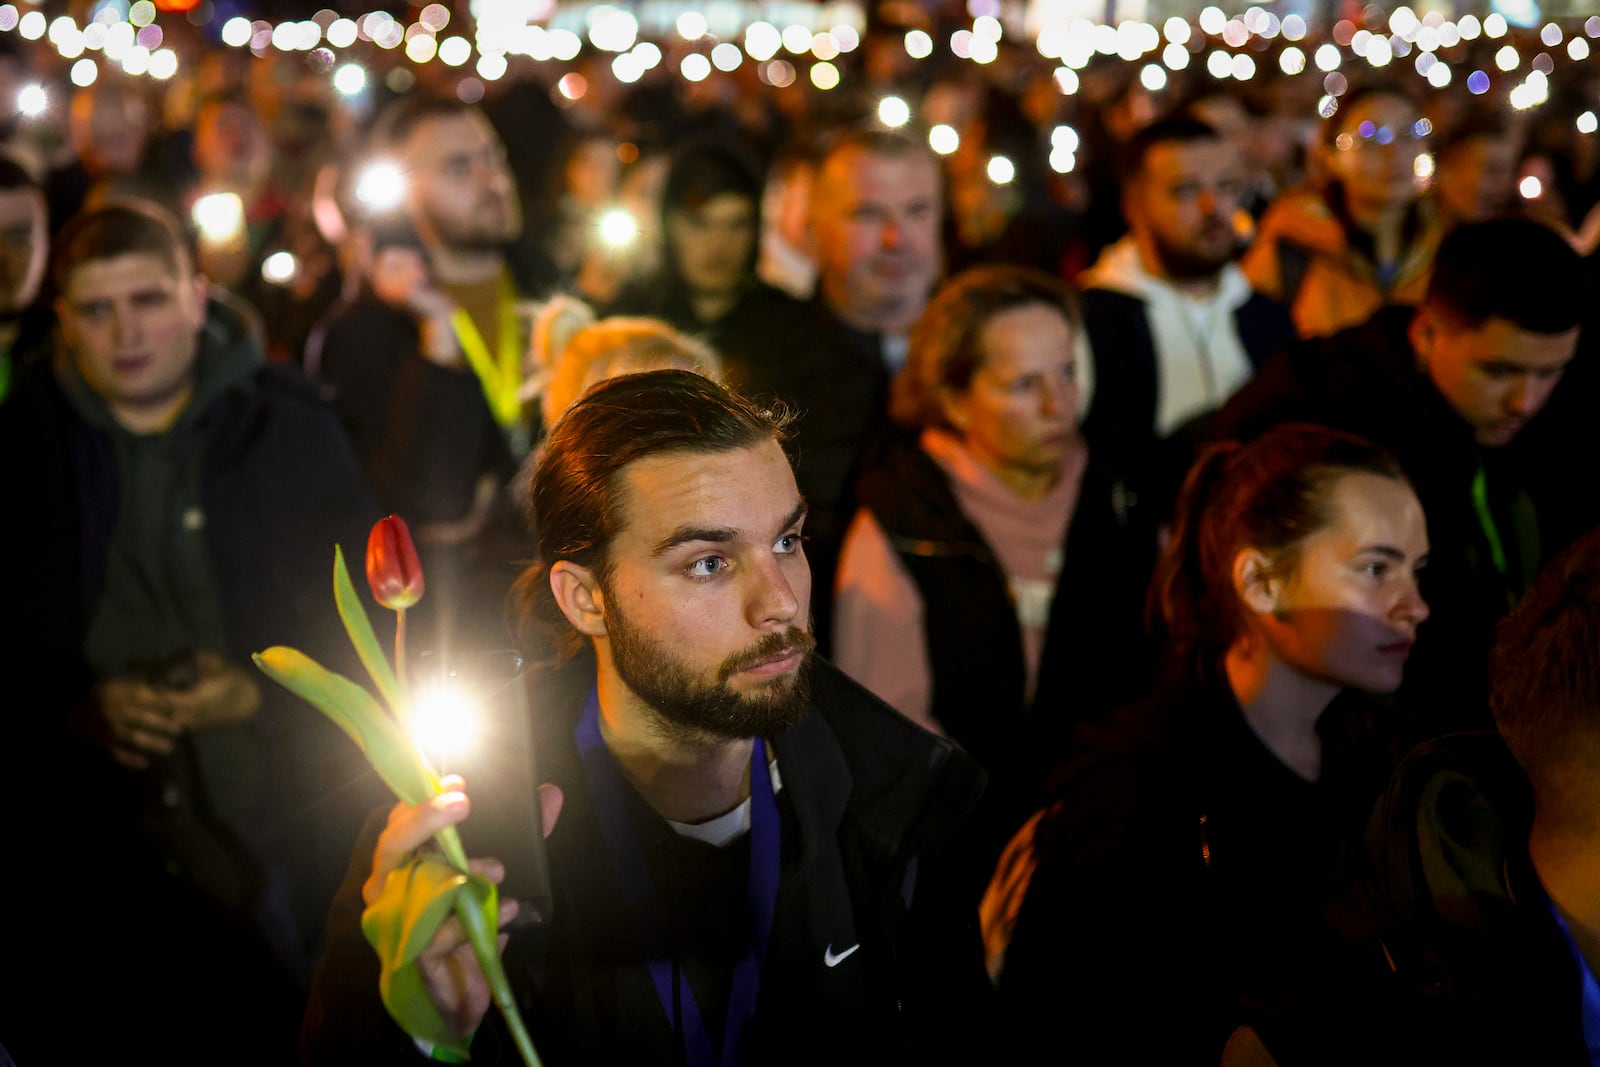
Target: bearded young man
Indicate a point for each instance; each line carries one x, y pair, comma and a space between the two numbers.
1174, 327
747, 863
427, 369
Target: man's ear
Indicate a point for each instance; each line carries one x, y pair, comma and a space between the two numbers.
579, 597
1422, 331
953, 405
1254, 581
64, 321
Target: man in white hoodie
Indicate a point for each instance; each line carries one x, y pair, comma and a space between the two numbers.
1173, 324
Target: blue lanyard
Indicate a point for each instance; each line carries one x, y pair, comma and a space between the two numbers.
607, 789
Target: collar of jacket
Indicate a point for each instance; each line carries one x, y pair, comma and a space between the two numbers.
851, 758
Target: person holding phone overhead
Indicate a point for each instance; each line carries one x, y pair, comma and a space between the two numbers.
748, 864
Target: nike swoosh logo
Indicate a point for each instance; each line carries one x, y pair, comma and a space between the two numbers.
833, 959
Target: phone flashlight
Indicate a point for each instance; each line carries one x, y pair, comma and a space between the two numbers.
471, 717
380, 187
219, 217
618, 229
280, 268
444, 722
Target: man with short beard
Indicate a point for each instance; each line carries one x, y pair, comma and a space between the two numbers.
1173, 324
429, 375
749, 862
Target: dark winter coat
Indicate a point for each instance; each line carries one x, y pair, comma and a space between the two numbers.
1188, 883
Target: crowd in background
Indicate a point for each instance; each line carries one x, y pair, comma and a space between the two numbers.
1185, 488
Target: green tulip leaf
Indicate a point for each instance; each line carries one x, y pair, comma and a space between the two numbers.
415, 902
359, 626
357, 713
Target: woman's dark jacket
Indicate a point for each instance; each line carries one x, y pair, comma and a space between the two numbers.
1188, 883
1095, 653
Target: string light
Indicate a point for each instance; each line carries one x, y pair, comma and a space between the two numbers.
825, 76
762, 41
131, 36
695, 67
692, 26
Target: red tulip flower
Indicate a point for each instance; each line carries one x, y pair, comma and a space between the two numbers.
395, 575
393, 570
422, 893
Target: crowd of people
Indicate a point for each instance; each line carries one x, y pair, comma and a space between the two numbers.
1149, 613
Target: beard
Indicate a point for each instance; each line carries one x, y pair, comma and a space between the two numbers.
1195, 262
489, 229
692, 710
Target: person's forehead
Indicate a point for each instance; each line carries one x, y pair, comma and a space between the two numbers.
110, 108
862, 175
1365, 509
1190, 159
723, 207
231, 117
1025, 337
130, 272
745, 490
1503, 340
444, 135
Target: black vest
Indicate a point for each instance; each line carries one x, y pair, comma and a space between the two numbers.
1094, 651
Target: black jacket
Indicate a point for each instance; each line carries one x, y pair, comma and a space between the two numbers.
221, 852
1120, 425
1188, 883
868, 802
1095, 657
1478, 969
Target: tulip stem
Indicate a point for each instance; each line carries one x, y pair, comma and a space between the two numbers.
400, 648
482, 934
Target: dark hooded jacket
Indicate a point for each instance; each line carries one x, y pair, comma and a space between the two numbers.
216, 535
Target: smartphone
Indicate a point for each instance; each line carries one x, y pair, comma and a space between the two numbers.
501, 771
